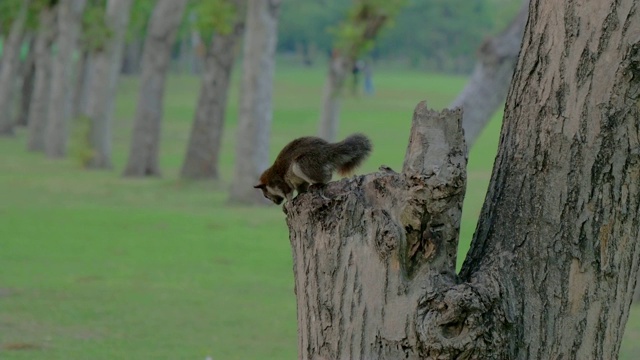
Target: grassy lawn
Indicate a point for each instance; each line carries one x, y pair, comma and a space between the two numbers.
94, 266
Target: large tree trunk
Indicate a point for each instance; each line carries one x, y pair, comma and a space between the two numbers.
254, 119
553, 263
203, 150
9, 69
488, 84
60, 99
103, 88
161, 34
38, 109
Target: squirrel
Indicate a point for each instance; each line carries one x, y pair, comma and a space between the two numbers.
309, 161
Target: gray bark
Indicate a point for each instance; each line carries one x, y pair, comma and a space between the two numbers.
554, 259
9, 69
27, 79
203, 150
339, 68
132, 57
38, 108
487, 87
84, 78
102, 91
61, 96
254, 119
161, 34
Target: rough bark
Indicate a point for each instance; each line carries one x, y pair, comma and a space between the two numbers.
554, 260
370, 21
103, 88
254, 119
203, 150
365, 259
61, 95
9, 69
42, 83
27, 80
161, 35
486, 90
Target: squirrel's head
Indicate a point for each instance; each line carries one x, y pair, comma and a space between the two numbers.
272, 193
273, 187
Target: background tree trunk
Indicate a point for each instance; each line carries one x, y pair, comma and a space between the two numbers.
488, 84
203, 150
161, 34
132, 57
367, 21
339, 68
554, 260
60, 99
254, 119
102, 93
84, 78
42, 83
9, 69
27, 79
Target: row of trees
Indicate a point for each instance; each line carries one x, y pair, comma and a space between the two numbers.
76, 50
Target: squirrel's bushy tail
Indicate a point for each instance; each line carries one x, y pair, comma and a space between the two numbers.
349, 153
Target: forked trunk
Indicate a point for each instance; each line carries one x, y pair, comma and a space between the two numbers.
553, 263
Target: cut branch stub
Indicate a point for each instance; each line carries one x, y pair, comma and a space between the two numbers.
365, 258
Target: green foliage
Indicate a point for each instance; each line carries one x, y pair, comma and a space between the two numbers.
357, 34
215, 16
80, 141
95, 31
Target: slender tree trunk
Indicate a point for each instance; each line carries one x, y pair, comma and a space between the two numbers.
369, 18
60, 99
38, 108
254, 119
203, 150
339, 68
84, 80
161, 34
488, 85
554, 260
9, 69
102, 93
132, 57
27, 79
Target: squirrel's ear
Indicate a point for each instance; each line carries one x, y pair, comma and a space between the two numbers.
260, 186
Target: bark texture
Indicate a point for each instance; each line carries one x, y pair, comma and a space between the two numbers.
9, 69
254, 119
161, 35
60, 98
102, 91
203, 150
38, 109
369, 261
487, 87
554, 260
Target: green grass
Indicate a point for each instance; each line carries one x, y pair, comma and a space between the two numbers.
94, 266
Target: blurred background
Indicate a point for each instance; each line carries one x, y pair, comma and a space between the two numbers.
132, 131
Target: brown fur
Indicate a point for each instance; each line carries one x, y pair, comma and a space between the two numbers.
310, 160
